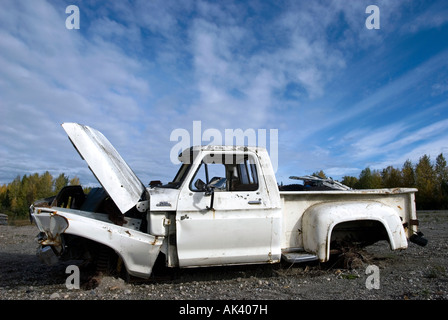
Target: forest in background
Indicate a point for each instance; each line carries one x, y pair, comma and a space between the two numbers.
17, 196
431, 180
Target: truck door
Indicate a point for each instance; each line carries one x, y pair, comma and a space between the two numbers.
240, 226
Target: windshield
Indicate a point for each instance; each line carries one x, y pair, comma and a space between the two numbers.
179, 178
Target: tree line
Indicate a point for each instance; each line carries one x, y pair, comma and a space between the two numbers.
18, 195
430, 178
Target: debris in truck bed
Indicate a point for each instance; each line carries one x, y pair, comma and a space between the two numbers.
316, 183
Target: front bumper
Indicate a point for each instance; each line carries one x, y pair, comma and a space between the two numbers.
46, 255
51, 226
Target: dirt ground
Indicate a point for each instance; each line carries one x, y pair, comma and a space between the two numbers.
417, 273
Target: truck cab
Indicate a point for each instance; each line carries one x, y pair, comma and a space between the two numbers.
224, 208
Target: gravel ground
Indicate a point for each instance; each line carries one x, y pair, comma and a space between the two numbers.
418, 273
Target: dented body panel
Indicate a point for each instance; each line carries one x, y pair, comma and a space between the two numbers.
319, 220
224, 207
137, 249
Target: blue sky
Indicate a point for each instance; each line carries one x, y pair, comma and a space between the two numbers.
342, 97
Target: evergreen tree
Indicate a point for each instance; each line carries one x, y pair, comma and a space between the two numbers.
391, 177
369, 179
441, 172
75, 181
14, 195
349, 181
425, 182
5, 199
320, 174
19, 194
45, 186
60, 182
408, 174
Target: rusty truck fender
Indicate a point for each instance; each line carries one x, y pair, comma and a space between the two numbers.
137, 249
319, 220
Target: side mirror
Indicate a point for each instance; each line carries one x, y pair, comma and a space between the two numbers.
199, 185
209, 190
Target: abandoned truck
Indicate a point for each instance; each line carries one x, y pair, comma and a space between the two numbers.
223, 207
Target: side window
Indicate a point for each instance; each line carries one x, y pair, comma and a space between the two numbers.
244, 175
210, 173
226, 173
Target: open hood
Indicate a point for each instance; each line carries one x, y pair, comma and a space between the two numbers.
107, 165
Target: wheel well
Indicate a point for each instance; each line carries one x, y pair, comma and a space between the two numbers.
100, 255
358, 232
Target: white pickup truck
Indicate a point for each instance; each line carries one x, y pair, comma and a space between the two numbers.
224, 207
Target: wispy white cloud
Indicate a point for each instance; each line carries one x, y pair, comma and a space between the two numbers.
431, 148
373, 141
139, 69
51, 75
390, 143
432, 16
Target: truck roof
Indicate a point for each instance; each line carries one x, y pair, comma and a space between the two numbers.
225, 148
188, 155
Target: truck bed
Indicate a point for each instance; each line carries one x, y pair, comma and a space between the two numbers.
296, 203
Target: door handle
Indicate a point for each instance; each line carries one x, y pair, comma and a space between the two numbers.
255, 202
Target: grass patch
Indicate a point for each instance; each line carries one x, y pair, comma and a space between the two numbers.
435, 272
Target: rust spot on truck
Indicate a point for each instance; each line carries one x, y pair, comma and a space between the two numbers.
156, 238
51, 236
394, 191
